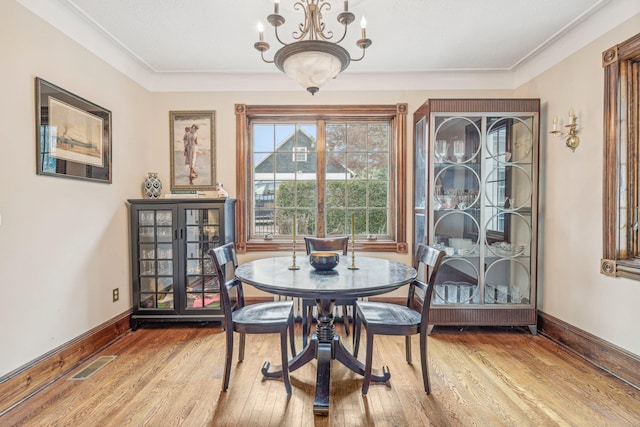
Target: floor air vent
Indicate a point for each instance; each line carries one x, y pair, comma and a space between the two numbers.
93, 367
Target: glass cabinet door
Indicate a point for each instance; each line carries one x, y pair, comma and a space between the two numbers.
172, 275
509, 186
481, 200
420, 182
203, 231
155, 258
456, 207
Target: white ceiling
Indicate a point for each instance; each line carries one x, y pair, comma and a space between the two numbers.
172, 44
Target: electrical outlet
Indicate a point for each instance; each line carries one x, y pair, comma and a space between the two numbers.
116, 294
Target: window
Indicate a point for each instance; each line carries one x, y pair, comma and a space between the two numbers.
621, 189
325, 166
299, 154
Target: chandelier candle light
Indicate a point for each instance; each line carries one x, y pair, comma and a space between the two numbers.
311, 59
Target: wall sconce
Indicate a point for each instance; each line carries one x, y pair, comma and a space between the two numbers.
572, 140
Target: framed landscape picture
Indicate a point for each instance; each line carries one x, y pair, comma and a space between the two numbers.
73, 135
192, 150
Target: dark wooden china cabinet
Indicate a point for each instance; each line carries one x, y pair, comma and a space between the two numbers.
476, 198
172, 276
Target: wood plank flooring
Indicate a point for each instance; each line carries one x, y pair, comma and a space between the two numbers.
171, 376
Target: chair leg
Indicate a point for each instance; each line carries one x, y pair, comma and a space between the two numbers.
292, 338
425, 362
345, 318
367, 364
241, 347
285, 361
228, 357
357, 326
407, 348
309, 321
305, 328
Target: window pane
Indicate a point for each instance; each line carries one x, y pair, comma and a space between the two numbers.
336, 221
357, 164
378, 194
264, 186
378, 166
286, 194
377, 222
336, 165
356, 194
306, 222
264, 206
360, 221
336, 194
366, 184
379, 137
336, 137
306, 192
284, 177
357, 137
263, 139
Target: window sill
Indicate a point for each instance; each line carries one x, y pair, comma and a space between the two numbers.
285, 245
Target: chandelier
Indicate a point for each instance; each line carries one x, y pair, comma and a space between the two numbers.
312, 59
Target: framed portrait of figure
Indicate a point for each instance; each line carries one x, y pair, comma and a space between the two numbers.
193, 150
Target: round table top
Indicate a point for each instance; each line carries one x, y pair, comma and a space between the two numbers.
374, 276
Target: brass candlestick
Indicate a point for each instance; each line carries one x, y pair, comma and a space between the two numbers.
293, 266
353, 256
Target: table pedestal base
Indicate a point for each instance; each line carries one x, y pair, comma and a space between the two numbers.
325, 349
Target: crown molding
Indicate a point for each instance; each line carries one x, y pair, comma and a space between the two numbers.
70, 21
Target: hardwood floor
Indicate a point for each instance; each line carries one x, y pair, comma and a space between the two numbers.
480, 377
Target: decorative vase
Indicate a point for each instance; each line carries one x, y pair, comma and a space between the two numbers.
152, 186
222, 193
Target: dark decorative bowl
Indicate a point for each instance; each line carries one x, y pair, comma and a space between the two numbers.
324, 261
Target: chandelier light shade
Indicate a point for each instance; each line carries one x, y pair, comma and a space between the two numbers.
312, 58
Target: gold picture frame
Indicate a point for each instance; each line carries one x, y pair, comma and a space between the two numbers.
192, 150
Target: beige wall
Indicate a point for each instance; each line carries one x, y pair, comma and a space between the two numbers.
570, 284
64, 243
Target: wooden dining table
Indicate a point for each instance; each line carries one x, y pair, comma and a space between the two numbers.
373, 276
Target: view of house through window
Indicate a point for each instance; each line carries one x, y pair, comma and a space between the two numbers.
330, 170
326, 174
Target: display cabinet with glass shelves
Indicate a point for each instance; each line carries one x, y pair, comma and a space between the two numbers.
173, 277
476, 192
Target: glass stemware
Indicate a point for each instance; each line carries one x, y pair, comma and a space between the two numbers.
459, 150
442, 147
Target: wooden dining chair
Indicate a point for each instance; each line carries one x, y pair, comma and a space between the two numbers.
263, 318
314, 244
405, 320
